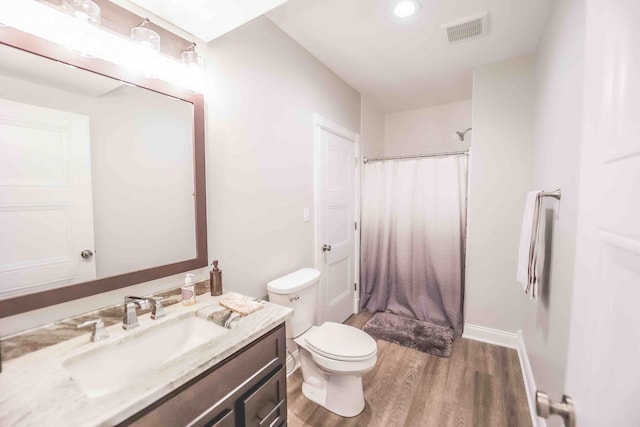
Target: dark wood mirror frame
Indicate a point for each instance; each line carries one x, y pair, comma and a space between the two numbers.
23, 303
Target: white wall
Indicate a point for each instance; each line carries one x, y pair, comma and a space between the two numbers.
428, 130
372, 129
263, 91
526, 140
501, 173
559, 78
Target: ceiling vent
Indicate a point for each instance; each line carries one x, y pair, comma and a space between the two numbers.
467, 28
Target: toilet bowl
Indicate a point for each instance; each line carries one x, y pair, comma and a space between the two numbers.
333, 356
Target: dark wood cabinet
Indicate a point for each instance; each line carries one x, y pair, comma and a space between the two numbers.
266, 404
225, 419
246, 389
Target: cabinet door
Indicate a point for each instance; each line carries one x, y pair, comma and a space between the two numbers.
266, 404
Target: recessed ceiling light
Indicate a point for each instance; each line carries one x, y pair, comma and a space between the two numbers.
406, 8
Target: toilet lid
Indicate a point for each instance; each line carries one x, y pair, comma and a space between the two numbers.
341, 342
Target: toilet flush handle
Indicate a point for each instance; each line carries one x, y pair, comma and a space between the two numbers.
293, 299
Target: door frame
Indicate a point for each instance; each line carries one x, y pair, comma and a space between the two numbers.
322, 124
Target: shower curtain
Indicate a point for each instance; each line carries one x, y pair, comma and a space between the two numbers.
413, 238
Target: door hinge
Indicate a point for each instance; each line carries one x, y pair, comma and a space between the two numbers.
355, 286
355, 225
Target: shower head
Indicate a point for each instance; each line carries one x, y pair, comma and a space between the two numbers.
462, 134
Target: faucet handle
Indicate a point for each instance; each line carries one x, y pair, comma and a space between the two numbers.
157, 310
98, 333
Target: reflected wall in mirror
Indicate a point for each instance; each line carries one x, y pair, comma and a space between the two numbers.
97, 181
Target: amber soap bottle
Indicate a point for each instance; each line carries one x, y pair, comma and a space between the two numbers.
215, 279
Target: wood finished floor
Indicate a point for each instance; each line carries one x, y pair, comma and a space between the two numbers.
479, 385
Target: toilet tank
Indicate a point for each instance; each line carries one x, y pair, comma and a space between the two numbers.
299, 291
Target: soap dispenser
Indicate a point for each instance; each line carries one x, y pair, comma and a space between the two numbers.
215, 280
188, 290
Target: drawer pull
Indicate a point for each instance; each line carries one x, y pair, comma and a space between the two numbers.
266, 417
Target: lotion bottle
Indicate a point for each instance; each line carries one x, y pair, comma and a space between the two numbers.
188, 290
215, 279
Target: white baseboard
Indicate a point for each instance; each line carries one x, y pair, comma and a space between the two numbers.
515, 341
491, 336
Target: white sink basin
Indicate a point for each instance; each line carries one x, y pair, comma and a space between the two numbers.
115, 365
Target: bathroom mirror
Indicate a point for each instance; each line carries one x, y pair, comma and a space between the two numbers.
101, 176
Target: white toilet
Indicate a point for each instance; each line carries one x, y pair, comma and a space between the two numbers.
333, 356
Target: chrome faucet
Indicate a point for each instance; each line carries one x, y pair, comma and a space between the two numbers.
157, 310
130, 319
98, 332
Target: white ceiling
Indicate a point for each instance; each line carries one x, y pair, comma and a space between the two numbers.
407, 65
208, 19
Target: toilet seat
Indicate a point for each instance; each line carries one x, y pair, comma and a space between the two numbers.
341, 342
341, 367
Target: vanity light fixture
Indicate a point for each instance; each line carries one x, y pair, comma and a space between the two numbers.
48, 22
191, 57
145, 36
84, 10
406, 8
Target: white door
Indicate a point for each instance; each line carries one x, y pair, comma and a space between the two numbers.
46, 214
336, 210
603, 372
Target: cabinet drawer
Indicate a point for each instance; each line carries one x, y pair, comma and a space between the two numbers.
266, 404
210, 393
227, 419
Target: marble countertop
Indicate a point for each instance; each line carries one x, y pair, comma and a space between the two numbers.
36, 389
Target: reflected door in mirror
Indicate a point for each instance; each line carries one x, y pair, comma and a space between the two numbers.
46, 211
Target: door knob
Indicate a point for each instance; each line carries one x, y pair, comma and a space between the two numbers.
86, 254
545, 407
326, 248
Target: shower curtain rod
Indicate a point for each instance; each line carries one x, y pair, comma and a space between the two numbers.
415, 156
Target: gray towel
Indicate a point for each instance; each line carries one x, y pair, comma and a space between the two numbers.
531, 251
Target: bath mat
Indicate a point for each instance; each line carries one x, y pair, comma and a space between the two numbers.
412, 333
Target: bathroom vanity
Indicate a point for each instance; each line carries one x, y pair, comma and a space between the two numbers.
156, 375
248, 388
